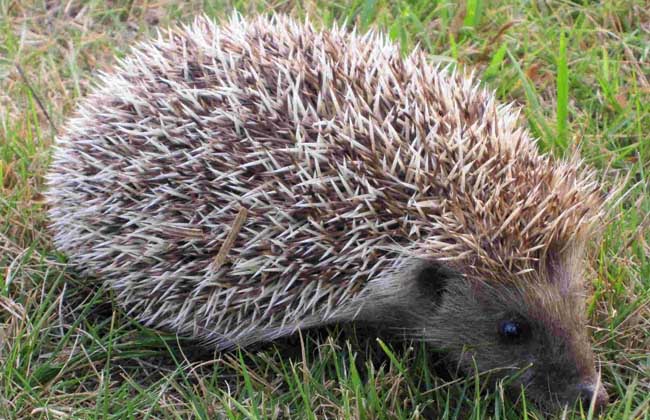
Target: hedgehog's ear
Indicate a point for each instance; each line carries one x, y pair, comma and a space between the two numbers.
553, 272
432, 280
563, 268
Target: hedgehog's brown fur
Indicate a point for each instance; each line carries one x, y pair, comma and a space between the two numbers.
236, 183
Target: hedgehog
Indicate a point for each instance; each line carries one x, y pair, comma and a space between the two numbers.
235, 182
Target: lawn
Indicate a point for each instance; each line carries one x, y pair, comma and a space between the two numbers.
580, 70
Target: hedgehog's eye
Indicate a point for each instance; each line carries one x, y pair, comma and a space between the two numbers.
513, 330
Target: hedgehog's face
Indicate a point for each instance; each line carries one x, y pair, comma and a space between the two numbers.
534, 335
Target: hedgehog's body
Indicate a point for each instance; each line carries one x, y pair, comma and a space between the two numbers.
237, 183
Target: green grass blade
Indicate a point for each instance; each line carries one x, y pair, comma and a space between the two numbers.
562, 96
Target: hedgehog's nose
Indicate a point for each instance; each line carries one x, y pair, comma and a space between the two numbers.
588, 392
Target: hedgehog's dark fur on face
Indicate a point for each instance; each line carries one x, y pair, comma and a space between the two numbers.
237, 183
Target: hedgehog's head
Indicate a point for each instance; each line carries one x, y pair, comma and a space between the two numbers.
531, 329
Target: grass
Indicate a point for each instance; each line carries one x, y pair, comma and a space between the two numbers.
579, 69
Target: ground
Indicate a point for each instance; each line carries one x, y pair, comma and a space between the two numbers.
579, 69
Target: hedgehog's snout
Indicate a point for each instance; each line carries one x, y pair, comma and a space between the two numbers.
588, 391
